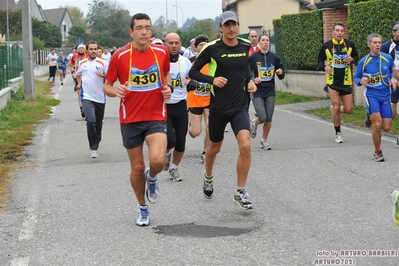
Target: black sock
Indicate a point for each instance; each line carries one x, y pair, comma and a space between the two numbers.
337, 129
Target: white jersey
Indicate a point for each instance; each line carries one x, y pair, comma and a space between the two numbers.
52, 59
189, 53
92, 84
107, 57
179, 73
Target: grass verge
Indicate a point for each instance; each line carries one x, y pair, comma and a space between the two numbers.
17, 125
356, 118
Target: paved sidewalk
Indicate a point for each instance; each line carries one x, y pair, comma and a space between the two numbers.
312, 198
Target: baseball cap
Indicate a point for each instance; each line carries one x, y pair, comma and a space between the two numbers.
157, 41
396, 27
61, 52
82, 46
228, 15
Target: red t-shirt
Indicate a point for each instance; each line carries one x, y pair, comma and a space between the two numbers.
253, 49
76, 58
144, 100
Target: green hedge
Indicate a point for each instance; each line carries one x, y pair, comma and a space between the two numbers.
301, 37
278, 42
364, 20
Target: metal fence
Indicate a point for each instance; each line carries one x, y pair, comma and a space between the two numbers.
11, 62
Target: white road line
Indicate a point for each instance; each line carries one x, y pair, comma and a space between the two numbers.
330, 123
20, 261
30, 220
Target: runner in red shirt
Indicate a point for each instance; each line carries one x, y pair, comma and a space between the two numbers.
145, 85
76, 58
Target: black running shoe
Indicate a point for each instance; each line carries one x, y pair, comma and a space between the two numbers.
208, 187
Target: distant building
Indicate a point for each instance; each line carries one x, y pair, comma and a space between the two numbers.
255, 14
58, 16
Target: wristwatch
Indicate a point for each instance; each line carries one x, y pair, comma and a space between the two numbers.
171, 87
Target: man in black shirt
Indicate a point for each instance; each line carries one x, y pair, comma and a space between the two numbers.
229, 74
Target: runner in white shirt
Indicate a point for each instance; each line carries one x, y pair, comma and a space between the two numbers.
90, 80
106, 55
177, 122
51, 60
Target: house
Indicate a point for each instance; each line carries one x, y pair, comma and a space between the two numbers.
258, 15
15, 5
58, 16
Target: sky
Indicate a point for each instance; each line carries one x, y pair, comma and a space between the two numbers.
200, 9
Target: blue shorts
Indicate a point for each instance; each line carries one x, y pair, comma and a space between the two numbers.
61, 68
379, 105
217, 123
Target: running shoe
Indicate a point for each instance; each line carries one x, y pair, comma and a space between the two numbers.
241, 198
395, 202
226, 129
338, 138
208, 187
253, 129
94, 154
142, 218
397, 143
378, 157
367, 121
152, 191
167, 161
174, 175
202, 159
265, 145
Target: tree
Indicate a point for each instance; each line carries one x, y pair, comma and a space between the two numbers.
107, 16
75, 33
76, 15
14, 24
47, 32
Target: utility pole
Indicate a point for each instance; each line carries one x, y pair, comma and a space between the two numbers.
27, 42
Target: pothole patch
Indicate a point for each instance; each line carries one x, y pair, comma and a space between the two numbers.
203, 231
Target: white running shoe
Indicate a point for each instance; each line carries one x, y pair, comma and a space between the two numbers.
265, 145
94, 154
338, 138
142, 218
174, 175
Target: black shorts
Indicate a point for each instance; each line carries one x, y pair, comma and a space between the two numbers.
342, 89
197, 110
395, 96
134, 134
238, 120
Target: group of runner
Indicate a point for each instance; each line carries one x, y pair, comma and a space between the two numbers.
158, 85
376, 72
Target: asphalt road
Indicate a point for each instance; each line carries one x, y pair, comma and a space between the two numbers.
313, 199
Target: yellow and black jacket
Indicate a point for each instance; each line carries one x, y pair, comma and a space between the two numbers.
333, 53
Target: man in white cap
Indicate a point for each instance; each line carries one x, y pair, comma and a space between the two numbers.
74, 63
230, 74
